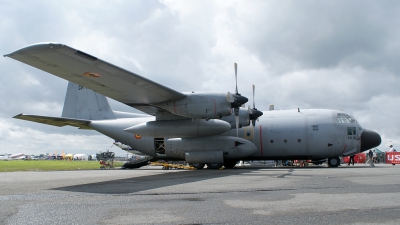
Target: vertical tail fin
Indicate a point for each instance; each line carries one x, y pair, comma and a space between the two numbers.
83, 103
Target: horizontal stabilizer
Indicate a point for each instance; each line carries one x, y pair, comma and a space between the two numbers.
56, 121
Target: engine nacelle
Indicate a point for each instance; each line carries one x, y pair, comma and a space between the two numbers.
209, 149
244, 118
180, 128
200, 105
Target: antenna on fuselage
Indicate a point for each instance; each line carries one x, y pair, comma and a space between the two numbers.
271, 108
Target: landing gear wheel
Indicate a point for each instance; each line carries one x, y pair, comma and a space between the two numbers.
198, 166
214, 166
334, 162
230, 164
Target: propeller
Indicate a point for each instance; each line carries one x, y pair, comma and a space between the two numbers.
236, 101
254, 113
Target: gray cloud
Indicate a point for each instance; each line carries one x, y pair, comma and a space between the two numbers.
307, 54
316, 35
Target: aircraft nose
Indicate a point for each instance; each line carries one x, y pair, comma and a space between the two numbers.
369, 139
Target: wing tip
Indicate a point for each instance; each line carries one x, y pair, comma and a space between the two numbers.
35, 47
17, 116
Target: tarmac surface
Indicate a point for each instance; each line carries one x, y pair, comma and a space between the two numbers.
247, 195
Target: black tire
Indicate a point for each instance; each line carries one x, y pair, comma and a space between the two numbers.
198, 166
230, 164
214, 166
334, 162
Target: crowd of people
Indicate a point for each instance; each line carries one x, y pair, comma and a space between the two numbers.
372, 157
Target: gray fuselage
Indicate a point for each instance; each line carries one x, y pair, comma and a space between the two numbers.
282, 134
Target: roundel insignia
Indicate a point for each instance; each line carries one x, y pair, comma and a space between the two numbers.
91, 74
137, 136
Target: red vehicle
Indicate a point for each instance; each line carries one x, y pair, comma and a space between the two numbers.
106, 165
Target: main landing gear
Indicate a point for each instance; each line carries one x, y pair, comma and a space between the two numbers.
228, 164
198, 166
214, 166
334, 162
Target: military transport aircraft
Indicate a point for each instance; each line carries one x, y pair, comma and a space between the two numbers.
200, 128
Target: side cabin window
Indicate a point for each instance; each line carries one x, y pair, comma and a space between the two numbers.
314, 127
351, 131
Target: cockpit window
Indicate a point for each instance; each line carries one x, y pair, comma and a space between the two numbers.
345, 118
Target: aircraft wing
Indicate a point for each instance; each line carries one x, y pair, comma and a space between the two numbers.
97, 75
56, 121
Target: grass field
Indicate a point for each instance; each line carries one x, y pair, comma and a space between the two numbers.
50, 165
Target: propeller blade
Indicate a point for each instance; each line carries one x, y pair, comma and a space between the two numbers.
236, 110
236, 101
236, 78
254, 104
250, 110
254, 114
237, 125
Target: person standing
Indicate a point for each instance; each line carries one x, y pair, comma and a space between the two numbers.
351, 160
374, 157
392, 150
370, 155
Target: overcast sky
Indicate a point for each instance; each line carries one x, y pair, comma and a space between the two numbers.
309, 54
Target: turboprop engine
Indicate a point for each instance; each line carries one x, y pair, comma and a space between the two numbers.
204, 105
212, 149
244, 118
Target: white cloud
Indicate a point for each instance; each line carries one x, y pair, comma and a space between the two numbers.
34, 141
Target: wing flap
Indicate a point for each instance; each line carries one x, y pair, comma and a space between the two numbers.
95, 74
56, 121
